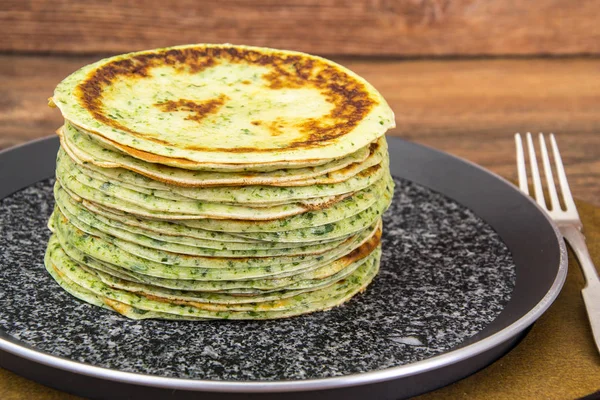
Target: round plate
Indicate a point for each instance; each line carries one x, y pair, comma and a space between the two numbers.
469, 263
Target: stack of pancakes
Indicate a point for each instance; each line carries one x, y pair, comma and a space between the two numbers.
218, 182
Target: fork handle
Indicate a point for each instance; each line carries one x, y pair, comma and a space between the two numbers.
577, 241
591, 291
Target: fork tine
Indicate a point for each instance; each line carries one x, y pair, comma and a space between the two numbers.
554, 203
535, 174
562, 177
521, 165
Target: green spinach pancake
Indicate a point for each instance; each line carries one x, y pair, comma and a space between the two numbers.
208, 182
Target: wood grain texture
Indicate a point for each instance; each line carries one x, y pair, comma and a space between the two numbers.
362, 27
467, 108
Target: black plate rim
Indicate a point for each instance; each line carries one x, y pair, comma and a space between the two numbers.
430, 364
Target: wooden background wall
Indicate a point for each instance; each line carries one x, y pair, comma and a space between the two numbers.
461, 75
330, 27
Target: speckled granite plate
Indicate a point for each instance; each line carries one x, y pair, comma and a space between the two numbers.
468, 265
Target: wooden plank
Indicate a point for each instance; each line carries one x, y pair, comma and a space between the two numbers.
362, 27
467, 108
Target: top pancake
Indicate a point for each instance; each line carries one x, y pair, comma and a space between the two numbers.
225, 104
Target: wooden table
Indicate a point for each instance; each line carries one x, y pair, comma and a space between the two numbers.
469, 108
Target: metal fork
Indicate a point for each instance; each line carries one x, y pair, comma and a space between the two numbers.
567, 220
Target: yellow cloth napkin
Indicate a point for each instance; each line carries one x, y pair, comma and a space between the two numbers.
556, 360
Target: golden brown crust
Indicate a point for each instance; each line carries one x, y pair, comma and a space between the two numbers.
198, 109
350, 98
119, 307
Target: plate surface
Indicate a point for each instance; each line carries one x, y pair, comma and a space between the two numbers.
468, 264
